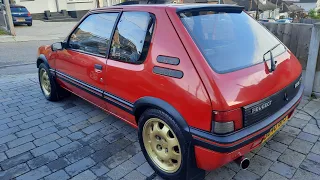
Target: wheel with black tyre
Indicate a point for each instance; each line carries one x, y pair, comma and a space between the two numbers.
50, 89
163, 144
30, 24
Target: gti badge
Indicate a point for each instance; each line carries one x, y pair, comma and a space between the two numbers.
298, 83
261, 107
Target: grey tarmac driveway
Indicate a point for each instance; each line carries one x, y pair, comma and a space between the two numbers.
72, 139
13, 53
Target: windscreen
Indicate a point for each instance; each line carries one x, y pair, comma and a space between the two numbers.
18, 9
230, 41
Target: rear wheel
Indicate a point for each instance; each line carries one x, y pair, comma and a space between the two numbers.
163, 144
30, 24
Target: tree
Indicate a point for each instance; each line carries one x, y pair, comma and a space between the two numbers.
313, 14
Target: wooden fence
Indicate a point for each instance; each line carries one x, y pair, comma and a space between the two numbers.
295, 36
309, 21
303, 40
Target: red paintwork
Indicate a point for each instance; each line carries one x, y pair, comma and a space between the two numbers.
81, 66
200, 91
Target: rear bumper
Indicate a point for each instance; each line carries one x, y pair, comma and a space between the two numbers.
213, 151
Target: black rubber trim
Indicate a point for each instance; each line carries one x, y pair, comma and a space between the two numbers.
52, 72
236, 136
116, 101
168, 60
168, 72
44, 59
157, 103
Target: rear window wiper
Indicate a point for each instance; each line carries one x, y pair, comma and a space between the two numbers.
273, 63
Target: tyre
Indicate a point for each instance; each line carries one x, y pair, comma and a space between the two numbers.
48, 85
163, 144
30, 24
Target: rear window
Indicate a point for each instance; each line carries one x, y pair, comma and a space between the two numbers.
18, 9
229, 41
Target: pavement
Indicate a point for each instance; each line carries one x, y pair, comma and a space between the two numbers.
40, 31
73, 139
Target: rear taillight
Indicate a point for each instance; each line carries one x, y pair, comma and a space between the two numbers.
224, 122
29, 14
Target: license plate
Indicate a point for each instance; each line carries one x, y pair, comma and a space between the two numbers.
21, 19
274, 129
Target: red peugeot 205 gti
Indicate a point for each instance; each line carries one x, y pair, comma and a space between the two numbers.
204, 84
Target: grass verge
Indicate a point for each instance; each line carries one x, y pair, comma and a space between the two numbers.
3, 32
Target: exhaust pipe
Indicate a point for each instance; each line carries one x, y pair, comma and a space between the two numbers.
243, 162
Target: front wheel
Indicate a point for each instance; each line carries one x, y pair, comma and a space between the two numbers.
47, 83
163, 144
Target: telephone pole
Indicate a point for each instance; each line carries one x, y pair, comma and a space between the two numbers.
9, 17
257, 11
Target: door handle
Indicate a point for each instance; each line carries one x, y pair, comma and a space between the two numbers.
98, 67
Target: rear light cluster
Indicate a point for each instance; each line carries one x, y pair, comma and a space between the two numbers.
29, 14
224, 122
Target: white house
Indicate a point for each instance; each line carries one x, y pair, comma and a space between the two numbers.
305, 4
39, 6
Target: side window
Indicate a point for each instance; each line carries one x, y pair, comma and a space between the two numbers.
93, 34
132, 37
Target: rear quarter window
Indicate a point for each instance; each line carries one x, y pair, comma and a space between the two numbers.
132, 37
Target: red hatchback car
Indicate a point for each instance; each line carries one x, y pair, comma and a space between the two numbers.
204, 84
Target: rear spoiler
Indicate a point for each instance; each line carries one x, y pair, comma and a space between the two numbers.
215, 7
144, 2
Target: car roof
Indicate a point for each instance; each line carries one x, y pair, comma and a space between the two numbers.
16, 6
179, 7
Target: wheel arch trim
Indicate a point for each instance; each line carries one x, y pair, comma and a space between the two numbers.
43, 59
163, 105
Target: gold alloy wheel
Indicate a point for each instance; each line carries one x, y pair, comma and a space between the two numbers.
162, 145
45, 82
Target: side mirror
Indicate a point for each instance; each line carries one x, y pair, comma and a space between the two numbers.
57, 46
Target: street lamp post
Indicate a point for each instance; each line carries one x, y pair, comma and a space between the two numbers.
257, 10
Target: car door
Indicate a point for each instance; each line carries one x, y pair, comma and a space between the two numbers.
81, 66
129, 48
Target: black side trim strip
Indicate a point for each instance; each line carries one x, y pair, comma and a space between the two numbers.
168, 72
52, 72
116, 101
236, 136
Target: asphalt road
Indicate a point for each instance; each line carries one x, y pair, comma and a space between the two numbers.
20, 52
